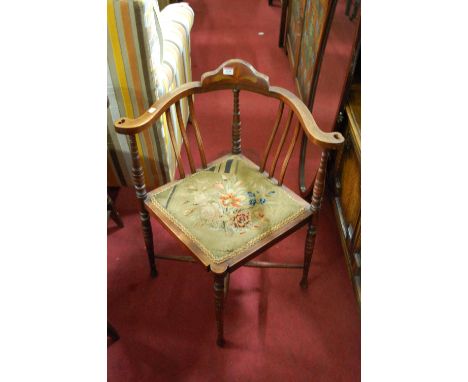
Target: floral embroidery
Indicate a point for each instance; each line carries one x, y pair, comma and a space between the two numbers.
227, 209
241, 219
229, 200
227, 205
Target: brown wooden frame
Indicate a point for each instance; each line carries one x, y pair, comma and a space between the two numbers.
238, 76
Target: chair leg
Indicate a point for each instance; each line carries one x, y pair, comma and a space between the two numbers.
317, 195
219, 307
226, 285
309, 248
148, 236
140, 189
113, 214
111, 332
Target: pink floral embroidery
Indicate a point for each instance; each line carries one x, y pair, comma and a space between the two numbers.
241, 219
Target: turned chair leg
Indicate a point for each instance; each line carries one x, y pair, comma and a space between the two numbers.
219, 307
226, 285
309, 248
317, 195
148, 236
140, 189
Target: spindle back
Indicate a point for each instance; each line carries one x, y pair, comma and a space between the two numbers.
236, 75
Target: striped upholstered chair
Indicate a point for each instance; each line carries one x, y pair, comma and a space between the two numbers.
148, 55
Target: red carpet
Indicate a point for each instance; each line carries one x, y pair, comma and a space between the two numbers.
274, 330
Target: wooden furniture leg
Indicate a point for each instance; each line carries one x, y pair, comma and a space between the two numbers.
112, 212
140, 189
284, 10
111, 332
309, 248
219, 307
226, 285
315, 206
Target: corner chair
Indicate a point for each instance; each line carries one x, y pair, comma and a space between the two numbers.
230, 210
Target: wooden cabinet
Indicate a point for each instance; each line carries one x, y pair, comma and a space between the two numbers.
346, 186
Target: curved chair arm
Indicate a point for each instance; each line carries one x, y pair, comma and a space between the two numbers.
233, 74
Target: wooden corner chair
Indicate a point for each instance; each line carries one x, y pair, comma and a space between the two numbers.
231, 209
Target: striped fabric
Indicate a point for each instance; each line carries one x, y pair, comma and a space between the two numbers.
148, 54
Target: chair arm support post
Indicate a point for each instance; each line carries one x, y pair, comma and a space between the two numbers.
140, 190
319, 184
317, 195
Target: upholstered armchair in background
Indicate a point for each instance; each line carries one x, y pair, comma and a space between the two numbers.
148, 54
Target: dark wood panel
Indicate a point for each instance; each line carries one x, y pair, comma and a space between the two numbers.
345, 184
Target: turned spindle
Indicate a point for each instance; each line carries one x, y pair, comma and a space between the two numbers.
140, 189
315, 207
236, 124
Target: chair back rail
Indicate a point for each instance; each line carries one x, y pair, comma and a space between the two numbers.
239, 75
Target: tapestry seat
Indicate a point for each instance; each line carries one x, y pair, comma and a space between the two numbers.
227, 208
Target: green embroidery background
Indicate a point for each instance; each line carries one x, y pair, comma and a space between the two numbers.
227, 207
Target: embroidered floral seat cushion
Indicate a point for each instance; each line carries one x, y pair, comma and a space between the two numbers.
227, 208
